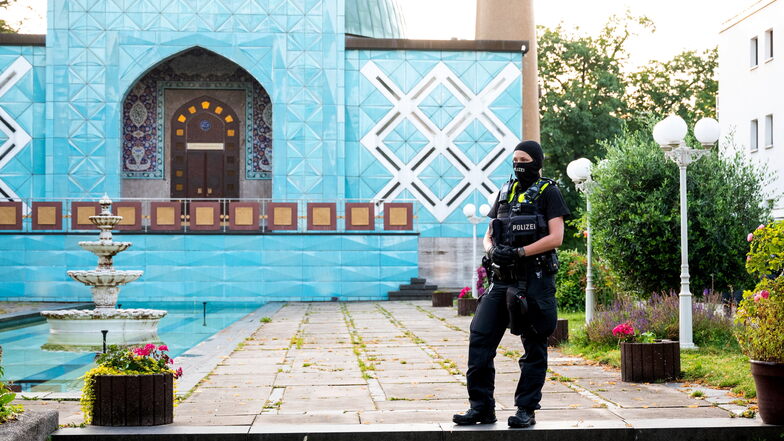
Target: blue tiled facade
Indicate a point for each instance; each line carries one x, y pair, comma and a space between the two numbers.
335, 137
216, 267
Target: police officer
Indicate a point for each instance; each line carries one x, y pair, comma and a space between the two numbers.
522, 295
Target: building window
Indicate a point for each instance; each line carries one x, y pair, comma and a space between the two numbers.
754, 138
769, 131
754, 61
769, 44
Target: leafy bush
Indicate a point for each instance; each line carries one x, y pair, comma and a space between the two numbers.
8, 411
571, 280
659, 315
760, 315
635, 216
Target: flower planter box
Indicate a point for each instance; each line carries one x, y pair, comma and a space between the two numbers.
133, 400
442, 299
769, 381
649, 362
561, 333
466, 306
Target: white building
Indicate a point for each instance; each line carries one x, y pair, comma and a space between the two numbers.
751, 88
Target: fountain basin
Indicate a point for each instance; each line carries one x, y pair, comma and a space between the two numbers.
76, 330
105, 220
105, 248
108, 278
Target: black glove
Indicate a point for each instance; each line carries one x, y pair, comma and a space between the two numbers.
503, 254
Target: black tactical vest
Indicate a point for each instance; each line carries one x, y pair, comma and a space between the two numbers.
518, 220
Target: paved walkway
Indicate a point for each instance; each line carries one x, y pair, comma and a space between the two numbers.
402, 362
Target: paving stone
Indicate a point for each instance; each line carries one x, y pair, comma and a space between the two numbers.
626, 395
592, 372
425, 391
266, 420
413, 416
576, 416
318, 379
448, 405
213, 420
672, 413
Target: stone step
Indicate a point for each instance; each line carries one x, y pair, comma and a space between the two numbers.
418, 281
572, 429
413, 292
418, 287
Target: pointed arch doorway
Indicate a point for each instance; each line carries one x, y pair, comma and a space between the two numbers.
205, 156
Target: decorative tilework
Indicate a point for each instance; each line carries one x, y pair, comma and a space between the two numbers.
14, 137
143, 115
431, 126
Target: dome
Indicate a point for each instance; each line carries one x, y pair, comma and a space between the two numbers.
375, 18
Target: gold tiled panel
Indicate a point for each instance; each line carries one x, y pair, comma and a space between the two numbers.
83, 215
164, 215
243, 216
8, 216
360, 216
128, 215
282, 215
47, 216
205, 215
398, 216
322, 216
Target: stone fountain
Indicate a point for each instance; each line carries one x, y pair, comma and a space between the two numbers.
80, 330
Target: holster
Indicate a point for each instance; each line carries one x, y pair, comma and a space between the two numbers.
517, 305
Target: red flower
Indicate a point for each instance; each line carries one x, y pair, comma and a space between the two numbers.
623, 330
163, 348
178, 373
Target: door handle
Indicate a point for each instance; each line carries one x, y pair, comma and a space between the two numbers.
209, 190
198, 190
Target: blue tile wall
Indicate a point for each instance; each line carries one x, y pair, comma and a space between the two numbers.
97, 49
23, 103
216, 267
426, 78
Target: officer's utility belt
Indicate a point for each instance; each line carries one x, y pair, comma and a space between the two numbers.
545, 263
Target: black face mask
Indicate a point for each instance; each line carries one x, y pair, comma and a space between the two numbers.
526, 173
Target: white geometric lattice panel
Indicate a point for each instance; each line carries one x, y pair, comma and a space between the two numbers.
440, 108
15, 137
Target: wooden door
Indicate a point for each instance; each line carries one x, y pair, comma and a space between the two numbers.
205, 150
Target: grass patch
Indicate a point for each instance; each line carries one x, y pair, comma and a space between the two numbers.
718, 364
265, 319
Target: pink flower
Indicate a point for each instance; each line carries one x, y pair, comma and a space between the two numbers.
757, 297
748, 258
481, 291
163, 348
761, 226
143, 352
750, 237
178, 373
585, 233
764, 294
623, 330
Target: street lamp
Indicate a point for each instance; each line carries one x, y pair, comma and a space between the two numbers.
669, 134
470, 212
579, 171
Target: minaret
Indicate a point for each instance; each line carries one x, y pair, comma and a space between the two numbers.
514, 20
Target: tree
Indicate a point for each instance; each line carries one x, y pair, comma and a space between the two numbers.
635, 216
583, 97
5, 27
685, 85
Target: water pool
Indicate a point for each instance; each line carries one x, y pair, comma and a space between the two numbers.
34, 369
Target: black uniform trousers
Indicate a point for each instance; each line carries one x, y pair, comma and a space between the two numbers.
487, 328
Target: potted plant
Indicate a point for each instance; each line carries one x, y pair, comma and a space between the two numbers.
130, 387
8, 411
644, 358
466, 303
760, 320
441, 299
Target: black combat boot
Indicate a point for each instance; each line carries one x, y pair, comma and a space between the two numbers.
523, 418
473, 417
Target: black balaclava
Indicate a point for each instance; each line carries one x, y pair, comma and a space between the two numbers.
528, 172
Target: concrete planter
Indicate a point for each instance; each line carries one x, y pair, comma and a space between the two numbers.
442, 299
133, 400
561, 333
30, 426
466, 306
649, 362
769, 380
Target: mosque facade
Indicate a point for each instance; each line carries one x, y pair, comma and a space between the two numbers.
257, 149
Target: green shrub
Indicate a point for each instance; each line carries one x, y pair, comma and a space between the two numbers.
8, 411
760, 315
571, 280
635, 216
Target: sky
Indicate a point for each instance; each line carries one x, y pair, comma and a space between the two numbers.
681, 24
